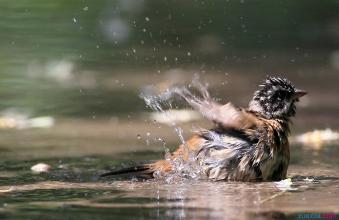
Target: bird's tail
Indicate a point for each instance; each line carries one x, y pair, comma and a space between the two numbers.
142, 170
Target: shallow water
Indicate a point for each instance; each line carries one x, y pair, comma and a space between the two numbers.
79, 149
72, 189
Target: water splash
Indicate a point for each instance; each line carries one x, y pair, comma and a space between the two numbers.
182, 167
158, 102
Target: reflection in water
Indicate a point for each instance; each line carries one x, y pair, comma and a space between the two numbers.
189, 199
77, 193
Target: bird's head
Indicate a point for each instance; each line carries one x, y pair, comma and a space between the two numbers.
276, 98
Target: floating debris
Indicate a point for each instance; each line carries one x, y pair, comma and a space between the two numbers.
40, 122
13, 118
175, 116
7, 123
284, 184
10, 189
310, 180
318, 138
25, 123
41, 168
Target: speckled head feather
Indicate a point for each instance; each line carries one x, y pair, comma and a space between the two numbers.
275, 99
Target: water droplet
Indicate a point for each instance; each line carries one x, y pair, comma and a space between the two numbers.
74, 20
147, 19
85, 8
138, 136
182, 168
188, 53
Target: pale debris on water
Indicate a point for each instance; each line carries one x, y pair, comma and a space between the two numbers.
15, 119
310, 180
284, 184
41, 168
10, 189
175, 116
10, 122
318, 138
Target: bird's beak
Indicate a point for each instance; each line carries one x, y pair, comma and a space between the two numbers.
299, 93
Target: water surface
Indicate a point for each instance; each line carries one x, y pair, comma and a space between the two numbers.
73, 190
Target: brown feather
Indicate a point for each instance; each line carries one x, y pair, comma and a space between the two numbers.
247, 144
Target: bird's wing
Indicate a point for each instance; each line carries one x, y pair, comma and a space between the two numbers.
226, 116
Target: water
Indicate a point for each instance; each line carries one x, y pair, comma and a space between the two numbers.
185, 166
82, 64
80, 149
73, 192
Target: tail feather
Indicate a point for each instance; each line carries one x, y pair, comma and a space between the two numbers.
135, 169
142, 170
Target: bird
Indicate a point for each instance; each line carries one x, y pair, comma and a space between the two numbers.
245, 144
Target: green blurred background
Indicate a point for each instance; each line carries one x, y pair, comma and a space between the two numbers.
82, 58
71, 72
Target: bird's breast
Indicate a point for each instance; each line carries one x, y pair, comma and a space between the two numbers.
238, 156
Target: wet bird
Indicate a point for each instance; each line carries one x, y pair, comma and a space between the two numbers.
246, 144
